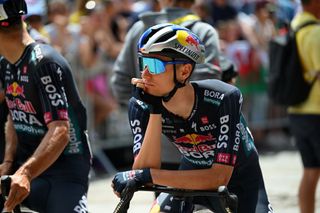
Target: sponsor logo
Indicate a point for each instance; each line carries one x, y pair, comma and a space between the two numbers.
192, 41
25, 106
186, 39
82, 205
237, 139
223, 158
15, 90
207, 127
38, 52
29, 129
204, 120
169, 131
137, 132
24, 70
211, 101
213, 94
200, 162
189, 52
194, 126
234, 159
74, 146
197, 152
24, 78
24, 117
50, 88
224, 129
63, 114
193, 139
47, 117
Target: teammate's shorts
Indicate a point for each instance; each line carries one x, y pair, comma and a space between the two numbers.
53, 195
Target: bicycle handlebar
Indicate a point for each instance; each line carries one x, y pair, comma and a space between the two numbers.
229, 201
5, 190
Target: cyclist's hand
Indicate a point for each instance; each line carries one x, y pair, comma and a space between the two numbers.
154, 102
120, 180
19, 190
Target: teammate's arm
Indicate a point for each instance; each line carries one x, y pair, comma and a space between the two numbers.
47, 152
10, 147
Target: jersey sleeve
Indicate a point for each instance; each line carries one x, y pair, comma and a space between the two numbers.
49, 78
138, 118
228, 142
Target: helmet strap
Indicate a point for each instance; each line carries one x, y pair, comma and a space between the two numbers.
177, 85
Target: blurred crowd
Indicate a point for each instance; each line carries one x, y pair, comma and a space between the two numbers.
91, 33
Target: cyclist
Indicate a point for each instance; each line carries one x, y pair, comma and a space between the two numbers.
201, 118
125, 67
47, 146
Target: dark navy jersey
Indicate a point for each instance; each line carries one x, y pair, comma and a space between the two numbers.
39, 89
215, 131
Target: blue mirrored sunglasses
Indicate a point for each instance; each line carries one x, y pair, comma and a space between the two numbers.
156, 66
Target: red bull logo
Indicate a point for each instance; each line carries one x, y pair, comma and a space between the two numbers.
192, 41
15, 89
194, 139
186, 39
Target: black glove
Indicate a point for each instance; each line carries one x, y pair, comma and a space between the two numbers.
141, 177
154, 102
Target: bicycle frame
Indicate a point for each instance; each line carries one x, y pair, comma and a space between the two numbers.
229, 203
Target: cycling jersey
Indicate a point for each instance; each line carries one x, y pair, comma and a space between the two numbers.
215, 132
39, 89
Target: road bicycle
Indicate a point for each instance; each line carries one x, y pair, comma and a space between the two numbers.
228, 201
5, 184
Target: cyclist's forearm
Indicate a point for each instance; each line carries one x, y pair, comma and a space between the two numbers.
11, 141
51, 146
203, 179
150, 153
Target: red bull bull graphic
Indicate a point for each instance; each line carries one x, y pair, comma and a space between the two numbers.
187, 39
194, 139
192, 41
15, 90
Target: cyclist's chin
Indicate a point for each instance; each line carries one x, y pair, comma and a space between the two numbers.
153, 92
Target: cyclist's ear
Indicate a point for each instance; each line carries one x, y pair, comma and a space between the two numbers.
185, 70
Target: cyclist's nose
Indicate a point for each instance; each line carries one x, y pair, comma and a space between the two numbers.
146, 73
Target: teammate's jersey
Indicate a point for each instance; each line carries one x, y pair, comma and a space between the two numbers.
39, 89
215, 131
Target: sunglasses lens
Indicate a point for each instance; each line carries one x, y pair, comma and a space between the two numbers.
155, 66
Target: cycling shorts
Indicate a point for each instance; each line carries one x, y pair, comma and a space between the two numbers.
52, 195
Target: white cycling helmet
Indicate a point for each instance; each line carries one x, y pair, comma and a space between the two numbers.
172, 40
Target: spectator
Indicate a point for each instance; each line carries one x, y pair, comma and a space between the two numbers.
96, 63
221, 10
126, 66
35, 19
305, 117
202, 9
47, 151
